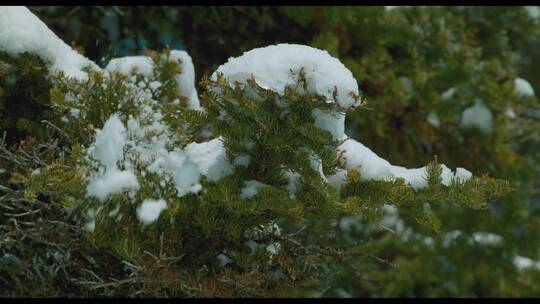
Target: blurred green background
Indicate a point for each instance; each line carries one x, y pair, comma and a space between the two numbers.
406, 60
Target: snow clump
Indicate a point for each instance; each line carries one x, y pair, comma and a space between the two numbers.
478, 116
523, 88
21, 31
150, 210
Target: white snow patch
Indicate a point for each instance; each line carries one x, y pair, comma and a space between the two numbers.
486, 238
373, 167
463, 174
242, 160
292, 185
113, 181
150, 210
523, 88
223, 260
338, 179
110, 142
510, 113
522, 263
108, 150
131, 64
211, 158
332, 122
184, 171
271, 67
448, 93
21, 31
358, 156
251, 188
478, 116
533, 11
433, 119
186, 78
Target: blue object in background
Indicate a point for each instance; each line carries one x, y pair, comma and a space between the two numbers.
128, 47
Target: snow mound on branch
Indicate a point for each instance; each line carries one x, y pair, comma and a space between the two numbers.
21, 31
355, 155
108, 150
130, 64
330, 121
478, 116
276, 67
522, 263
110, 142
112, 181
185, 172
150, 210
211, 158
145, 66
523, 88
186, 78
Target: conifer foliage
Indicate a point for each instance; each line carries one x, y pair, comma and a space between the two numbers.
124, 181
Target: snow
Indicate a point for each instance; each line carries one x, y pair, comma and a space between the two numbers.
522, 263
153, 154
510, 113
274, 67
338, 179
463, 174
271, 67
373, 167
349, 223
523, 88
332, 122
211, 158
113, 143
113, 181
21, 31
90, 226
150, 210
145, 66
277, 67
450, 237
433, 119
448, 93
110, 142
242, 160
251, 188
478, 116
293, 180
359, 156
262, 231
223, 260
108, 151
154, 85
486, 238
186, 79
391, 219
130, 64
273, 248
316, 164
533, 11
184, 171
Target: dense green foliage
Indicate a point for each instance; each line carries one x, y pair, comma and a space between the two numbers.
403, 60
